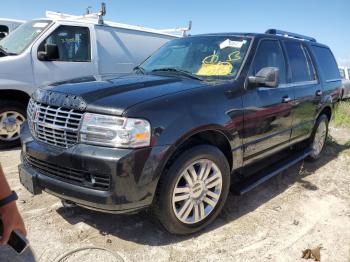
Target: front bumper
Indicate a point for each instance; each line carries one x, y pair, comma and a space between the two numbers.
133, 173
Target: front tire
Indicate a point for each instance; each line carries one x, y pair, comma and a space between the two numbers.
319, 137
12, 115
193, 191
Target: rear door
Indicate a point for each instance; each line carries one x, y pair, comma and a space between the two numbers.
267, 111
329, 73
75, 55
307, 89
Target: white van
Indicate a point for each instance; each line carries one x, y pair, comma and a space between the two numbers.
8, 25
62, 47
345, 75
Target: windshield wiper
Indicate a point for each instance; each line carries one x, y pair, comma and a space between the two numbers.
180, 71
140, 69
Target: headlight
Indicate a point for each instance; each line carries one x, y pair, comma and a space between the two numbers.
115, 131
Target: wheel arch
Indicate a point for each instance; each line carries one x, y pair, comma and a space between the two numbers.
15, 95
213, 136
327, 110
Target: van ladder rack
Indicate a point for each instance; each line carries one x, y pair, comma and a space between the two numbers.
99, 17
183, 30
289, 34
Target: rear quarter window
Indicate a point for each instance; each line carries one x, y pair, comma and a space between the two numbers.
326, 62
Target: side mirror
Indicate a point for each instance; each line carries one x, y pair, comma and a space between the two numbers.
51, 53
267, 76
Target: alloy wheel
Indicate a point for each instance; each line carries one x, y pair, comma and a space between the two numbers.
197, 191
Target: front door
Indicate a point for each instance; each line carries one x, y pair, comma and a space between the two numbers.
75, 59
267, 110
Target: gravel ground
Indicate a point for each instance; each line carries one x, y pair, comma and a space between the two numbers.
306, 206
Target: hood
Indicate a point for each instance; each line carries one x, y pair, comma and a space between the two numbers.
113, 94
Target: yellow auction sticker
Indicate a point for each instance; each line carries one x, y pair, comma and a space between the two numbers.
219, 69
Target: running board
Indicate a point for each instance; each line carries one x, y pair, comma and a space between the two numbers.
260, 177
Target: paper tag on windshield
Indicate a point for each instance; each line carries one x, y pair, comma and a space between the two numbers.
39, 25
230, 43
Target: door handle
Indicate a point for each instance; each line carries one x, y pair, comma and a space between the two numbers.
286, 99
318, 93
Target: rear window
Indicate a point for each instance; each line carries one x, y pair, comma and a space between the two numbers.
326, 62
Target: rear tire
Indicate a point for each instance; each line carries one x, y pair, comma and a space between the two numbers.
193, 190
319, 138
12, 115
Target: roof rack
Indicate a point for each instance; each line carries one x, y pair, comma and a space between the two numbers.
289, 34
98, 17
183, 30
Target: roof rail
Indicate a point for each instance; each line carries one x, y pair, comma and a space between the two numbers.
289, 34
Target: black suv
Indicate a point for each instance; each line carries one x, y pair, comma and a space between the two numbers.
200, 115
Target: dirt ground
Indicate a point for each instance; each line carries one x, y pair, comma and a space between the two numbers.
306, 206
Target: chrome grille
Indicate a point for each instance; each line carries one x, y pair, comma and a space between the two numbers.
54, 125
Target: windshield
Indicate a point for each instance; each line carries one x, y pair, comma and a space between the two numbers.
200, 56
23, 36
342, 73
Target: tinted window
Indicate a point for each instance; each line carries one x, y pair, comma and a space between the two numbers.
342, 73
349, 73
73, 43
300, 64
326, 62
269, 54
310, 64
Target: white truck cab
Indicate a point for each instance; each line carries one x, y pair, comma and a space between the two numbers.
62, 47
8, 25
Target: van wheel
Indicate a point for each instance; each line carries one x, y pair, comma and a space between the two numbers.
193, 191
12, 115
319, 137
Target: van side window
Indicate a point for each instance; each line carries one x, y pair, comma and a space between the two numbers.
4, 31
301, 67
73, 43
327, 62
269, 54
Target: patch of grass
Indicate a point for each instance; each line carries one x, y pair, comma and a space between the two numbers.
342, 114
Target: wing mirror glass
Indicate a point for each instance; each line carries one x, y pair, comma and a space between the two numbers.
267, 76
51, 53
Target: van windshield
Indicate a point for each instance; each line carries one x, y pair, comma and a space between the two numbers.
200, 56
16, 42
